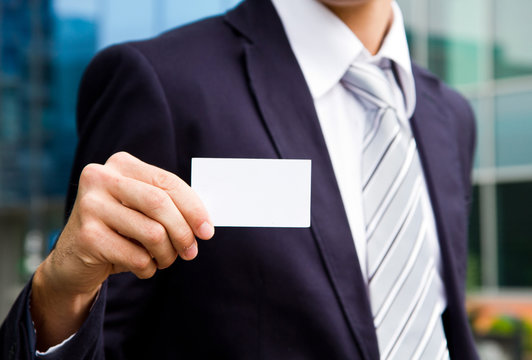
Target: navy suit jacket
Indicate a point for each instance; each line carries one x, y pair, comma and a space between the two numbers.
230, 86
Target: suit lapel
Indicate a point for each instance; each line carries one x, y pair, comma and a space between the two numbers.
288, 112
439, 155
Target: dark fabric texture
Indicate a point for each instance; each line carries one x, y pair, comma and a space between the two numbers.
230, 86
17, 334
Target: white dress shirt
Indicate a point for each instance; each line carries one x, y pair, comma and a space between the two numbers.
324, 48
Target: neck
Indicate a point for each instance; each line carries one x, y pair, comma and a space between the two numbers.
369, 20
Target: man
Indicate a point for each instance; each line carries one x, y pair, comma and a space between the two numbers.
267, 80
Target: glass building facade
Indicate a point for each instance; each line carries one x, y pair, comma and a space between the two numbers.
480, 47
45, 46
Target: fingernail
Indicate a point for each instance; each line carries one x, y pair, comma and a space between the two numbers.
206, 230
191, 252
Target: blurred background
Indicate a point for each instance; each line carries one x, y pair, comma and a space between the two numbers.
480, 47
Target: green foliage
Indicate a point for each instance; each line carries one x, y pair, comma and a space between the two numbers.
505, 326
509, 326
527, 335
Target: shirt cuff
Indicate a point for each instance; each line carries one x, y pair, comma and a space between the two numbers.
86, 340
52, 349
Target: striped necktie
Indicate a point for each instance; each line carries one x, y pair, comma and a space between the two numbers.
402, 276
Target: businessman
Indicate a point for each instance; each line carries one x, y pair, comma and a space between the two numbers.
378, 275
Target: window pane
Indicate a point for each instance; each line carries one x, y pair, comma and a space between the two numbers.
458, 40
515, 229
482, 107
513, 129
513, 48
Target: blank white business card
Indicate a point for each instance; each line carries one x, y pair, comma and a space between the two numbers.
254, 192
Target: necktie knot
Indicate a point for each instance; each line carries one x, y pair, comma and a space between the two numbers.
369, 83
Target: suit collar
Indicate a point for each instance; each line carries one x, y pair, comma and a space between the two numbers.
325, 52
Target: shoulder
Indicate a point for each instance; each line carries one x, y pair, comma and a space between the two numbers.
180, 61
174, 61
202, 44
438, 88
455, 110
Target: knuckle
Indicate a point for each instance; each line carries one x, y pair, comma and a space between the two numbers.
88, 202
89, 231
156, 233
118, 158
141, 264
90, 174
156, 199
95, 175
148, 273
165, 180
167, 260
185, 236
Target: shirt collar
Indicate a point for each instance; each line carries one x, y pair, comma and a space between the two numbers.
325, 51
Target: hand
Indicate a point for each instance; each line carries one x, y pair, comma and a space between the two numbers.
128, 216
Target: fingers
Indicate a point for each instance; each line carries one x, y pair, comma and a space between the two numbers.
156, 216
149, 217
184, 198
172, 204
128, 216
125, 255
135, 225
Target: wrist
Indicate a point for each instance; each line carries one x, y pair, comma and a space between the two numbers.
49, 283
57, 313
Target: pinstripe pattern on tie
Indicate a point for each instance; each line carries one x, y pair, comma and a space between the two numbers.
402, 274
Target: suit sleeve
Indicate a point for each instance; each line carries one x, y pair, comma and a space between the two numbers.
121, 107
